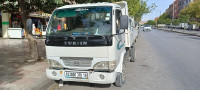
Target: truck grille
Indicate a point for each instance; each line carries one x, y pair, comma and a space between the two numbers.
77, 61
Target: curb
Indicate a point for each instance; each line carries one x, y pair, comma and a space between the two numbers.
179, 32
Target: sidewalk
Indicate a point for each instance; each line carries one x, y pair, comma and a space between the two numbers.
15, 72
189, 32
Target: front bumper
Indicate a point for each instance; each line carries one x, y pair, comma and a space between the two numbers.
93, 77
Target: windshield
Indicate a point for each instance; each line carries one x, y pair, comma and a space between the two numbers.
81, 21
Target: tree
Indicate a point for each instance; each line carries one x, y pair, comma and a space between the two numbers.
184, 18
150, 22
192, 10
24, 8
168, 21
176, 22
141, 9
164, 19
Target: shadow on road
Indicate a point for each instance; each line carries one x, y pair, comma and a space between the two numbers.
84, 84
191, 36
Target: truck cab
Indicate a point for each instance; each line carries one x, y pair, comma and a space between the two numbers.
90, 43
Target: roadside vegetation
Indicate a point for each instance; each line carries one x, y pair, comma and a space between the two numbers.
189, 15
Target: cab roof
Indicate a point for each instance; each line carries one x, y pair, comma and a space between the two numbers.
90, 5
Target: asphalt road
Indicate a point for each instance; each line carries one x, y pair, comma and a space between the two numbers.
165, 61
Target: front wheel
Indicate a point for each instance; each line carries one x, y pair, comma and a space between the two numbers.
121, 76
119, 81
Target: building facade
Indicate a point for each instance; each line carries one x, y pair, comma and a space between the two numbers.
170, 10
183, 3
176, 7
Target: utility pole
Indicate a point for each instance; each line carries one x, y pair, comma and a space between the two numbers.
172, 15
173, 11
157, 19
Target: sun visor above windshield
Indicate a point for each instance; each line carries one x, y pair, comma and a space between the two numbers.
65, 13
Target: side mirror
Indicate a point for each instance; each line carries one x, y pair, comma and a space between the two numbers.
131, 28
124, 22
121, 31
29, 26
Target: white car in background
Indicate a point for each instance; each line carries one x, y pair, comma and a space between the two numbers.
147, 27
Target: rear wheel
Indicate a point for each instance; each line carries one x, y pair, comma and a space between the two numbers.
132, 53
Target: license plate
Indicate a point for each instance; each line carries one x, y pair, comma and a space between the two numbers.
80, 75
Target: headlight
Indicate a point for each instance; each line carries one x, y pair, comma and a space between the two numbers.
112, 65
105, 66
55, 64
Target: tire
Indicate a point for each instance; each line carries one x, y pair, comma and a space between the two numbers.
120, 80
132, 53
57, 81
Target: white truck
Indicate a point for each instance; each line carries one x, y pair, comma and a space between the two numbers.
90, 43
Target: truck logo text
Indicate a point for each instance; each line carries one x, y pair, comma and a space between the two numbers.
75, 43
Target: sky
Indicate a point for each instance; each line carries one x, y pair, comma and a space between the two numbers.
162, 5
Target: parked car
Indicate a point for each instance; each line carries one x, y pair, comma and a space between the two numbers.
184, 25
141, 26
147, 27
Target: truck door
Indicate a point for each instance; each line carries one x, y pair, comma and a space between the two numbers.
120, 37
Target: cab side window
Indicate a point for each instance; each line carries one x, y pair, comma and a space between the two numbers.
117, 18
